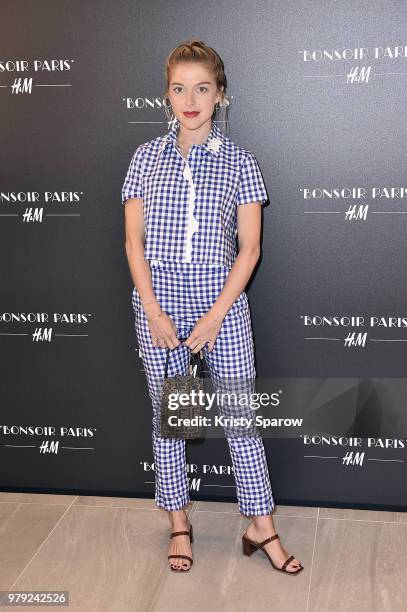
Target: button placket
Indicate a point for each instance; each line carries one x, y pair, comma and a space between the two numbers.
192, 222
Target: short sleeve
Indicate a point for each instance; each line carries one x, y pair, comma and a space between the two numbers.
251, 184
133, 183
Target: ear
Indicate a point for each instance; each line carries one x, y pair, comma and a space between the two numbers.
219, 97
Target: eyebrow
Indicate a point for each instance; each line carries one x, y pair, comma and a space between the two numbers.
201, 83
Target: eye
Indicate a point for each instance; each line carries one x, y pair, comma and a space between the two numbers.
176, 87
203, 89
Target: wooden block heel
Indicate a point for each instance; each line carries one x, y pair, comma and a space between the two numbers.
249, 547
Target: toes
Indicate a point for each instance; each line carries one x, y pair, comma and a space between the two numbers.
295, 565
174, 564
179, 564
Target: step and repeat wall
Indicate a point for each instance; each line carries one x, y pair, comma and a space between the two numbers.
317, 93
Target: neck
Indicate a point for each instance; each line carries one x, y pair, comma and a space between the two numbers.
198, 136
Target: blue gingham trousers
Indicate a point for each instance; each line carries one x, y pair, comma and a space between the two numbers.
186, 291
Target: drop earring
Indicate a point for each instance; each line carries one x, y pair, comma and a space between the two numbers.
166, 109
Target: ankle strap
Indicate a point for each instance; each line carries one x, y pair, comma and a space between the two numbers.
179, 533
269, 539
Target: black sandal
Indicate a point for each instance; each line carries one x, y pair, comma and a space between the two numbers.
249, 547
191, 539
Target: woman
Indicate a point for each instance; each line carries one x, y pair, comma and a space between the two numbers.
187, 197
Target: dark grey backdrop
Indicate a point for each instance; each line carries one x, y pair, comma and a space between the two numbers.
309, 127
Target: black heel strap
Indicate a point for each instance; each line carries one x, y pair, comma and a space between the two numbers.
168, 355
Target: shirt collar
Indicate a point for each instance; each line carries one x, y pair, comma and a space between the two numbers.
212, 144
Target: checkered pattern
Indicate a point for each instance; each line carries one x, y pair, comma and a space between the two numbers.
224, 176
186, 292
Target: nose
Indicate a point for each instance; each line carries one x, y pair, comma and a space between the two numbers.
190, 99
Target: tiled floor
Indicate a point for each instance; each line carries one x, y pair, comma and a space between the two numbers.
110, 554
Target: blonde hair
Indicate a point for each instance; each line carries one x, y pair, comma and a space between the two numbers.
197, 51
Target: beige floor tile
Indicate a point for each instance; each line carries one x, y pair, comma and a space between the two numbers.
402, 517
359, 567
110, 553
37, 498
359, 515
115, 502
109, 559
223, 579
120, 502
23, 528
214, 506
299, 511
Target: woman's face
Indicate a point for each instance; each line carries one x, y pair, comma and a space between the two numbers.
192, 88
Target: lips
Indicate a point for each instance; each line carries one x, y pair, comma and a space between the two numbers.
191, 114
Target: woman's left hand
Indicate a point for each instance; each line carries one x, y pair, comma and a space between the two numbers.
205, 332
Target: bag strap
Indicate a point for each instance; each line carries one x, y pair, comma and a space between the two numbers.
197, 354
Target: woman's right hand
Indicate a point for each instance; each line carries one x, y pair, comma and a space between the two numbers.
162, 329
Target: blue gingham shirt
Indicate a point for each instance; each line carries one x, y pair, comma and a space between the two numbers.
190, 205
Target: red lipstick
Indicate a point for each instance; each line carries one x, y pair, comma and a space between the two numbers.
191, 113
